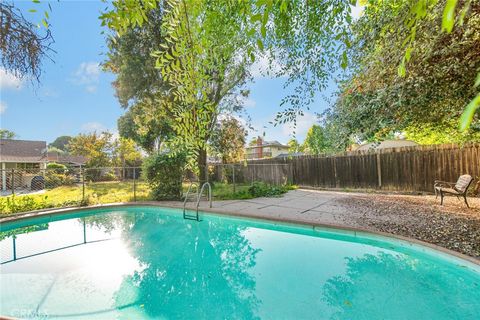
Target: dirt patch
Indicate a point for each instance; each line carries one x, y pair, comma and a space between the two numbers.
452, 226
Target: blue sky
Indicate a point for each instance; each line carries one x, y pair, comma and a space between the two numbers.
76, 96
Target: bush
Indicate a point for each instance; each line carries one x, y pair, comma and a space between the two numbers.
56, 167
12, 204
108, 176
261, 189
53, 180
164, 175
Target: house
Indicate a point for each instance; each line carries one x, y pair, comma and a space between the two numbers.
290, 155
265, 149
386, 144
67, 159
28, 157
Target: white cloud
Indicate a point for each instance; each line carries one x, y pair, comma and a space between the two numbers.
357, 11
265, 67
3, 107
303, 124
87, 74
93, 127
249, 103
91, 89
9, 81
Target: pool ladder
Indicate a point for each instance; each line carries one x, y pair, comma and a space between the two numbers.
199, 196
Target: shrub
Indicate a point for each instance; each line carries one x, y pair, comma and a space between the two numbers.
261, 189
53, 180
12, 204
164, 174
56, 167
108, 176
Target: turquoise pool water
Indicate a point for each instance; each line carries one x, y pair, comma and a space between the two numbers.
149, 263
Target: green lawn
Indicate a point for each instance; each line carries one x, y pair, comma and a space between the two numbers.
114, 191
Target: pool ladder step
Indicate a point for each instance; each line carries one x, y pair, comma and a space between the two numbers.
199, 194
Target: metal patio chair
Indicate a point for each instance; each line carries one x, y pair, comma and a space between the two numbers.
458, 189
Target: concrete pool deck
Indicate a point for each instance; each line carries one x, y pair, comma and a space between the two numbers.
298, 205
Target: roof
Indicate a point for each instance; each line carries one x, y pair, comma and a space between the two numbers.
293, 154
386, 144
273, 143
22, 151
66, 158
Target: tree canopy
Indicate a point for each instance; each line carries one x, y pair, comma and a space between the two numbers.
426, 102
228, 140
7, 134
402, 61
61, 143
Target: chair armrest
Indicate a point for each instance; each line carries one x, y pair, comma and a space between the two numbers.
439, 183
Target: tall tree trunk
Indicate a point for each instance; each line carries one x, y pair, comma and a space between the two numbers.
202, 166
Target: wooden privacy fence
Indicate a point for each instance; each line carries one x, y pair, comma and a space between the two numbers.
396, 169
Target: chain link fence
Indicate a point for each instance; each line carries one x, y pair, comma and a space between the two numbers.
31, 189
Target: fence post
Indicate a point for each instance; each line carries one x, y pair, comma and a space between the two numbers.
14, 247
135, 184
335, 171
379, 171
13, 181
83, 185
233, 177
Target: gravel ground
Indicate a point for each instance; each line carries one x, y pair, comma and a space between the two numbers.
452, 226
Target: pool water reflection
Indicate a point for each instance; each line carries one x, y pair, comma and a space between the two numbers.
149, 263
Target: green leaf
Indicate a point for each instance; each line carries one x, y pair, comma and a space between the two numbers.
467, 116
408, 53
32, 10
477, 82
260, 44
344, 62
449, 15
45, 24
401, 69
263, 30
256, 17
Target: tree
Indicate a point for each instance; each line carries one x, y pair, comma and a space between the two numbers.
149, 132
202, 58
22, 46
97, 148
56, 150
125, 153
61, 143
7, 134
294, 146
315, 141
228, 140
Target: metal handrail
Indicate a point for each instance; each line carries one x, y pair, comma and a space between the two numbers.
200, 195
186, 197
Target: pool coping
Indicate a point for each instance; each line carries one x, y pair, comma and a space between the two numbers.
55, 211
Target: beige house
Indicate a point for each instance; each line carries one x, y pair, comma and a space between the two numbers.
24, 158
265, 149
386, 144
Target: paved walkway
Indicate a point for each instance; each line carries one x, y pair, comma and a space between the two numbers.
299, 205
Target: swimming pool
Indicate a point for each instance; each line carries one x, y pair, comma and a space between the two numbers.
150, 263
